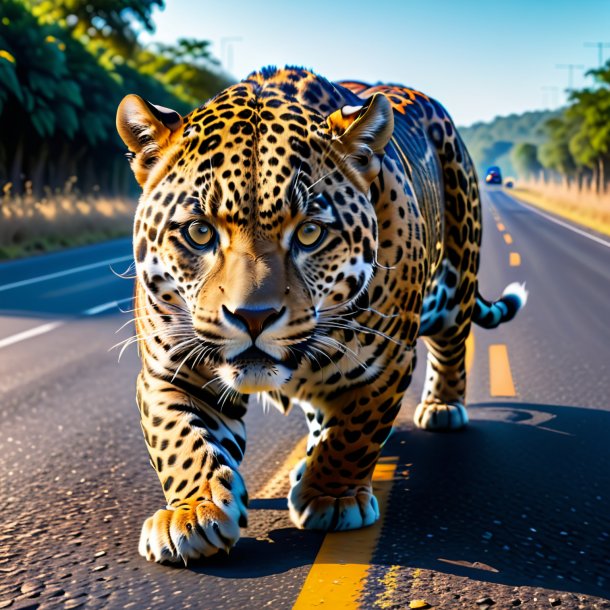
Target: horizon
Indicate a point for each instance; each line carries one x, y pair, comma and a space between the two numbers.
489, 61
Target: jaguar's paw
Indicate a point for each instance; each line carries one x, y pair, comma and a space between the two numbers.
354, 508
440, 416
200, 527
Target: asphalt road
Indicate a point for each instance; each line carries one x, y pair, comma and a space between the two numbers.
512, 512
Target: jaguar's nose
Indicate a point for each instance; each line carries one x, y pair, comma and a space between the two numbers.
255, 320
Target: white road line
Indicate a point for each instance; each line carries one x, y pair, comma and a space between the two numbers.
566, 225
50, 276
45, 328
92, 311
27, 334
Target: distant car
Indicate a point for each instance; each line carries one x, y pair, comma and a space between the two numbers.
493, 175
509, 183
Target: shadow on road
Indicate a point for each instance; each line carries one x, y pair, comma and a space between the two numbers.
283, 550
519, 498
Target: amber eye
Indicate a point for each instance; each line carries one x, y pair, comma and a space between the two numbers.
309, 234
200, 234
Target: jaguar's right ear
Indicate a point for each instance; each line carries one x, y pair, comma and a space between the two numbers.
146, 130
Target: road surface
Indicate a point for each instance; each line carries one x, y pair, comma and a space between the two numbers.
512, 512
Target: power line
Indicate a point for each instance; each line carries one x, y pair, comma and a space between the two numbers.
600, 50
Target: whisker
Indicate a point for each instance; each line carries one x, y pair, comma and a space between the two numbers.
342, 349
124, 276
185, 359
359, 328
216, 378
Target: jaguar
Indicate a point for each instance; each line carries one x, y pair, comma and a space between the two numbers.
293, 239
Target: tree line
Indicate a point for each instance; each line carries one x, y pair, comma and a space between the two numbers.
494, 142
64, 67
577, 145
572, 143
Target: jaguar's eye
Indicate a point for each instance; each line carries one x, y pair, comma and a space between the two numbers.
309, 234
200, 234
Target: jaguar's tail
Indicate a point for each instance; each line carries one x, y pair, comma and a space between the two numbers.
490, 315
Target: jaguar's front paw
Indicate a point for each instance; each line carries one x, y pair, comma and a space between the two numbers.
439, 416
352, 508
197, 527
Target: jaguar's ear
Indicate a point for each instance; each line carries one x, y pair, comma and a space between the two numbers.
363, 133
146, 130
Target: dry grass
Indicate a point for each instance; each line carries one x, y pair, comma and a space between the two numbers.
30, 224
580, 205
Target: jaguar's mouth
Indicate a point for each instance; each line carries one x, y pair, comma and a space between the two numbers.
253, 355
254, 370
252, 376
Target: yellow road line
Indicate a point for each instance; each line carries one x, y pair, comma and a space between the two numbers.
385, 599
338, 575
514, 259
469, 351
501, 227
500, 377
507, 238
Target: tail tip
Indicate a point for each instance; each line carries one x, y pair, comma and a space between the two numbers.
517, 290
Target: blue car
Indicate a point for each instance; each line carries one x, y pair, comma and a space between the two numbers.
493, 175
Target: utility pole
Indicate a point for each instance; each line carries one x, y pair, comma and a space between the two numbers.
226, 48
570, 68
600, 50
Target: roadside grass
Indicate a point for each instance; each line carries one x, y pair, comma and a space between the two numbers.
59, 219
580, 205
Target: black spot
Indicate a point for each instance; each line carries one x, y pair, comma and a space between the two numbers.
217, 159
233, 449
141, 251
354, 456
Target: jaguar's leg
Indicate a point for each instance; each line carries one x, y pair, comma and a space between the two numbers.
442, 405
446, 317
195, 450
331, 486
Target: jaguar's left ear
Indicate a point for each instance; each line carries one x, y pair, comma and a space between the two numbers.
363, 133
146, 129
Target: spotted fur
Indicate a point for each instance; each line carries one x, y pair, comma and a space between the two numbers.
381, 179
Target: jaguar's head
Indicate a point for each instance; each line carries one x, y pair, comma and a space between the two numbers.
256, 219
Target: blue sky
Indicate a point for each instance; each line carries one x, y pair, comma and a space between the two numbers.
479, 58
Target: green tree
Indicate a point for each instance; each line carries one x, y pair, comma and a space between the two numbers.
187, 69
109, 24
590, 144
524, 156
555, 153
60, 87
38, 96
